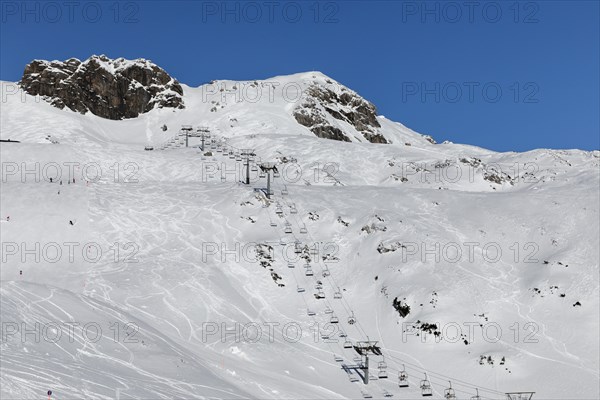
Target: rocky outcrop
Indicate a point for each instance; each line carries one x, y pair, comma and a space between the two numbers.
113, 89
321, 103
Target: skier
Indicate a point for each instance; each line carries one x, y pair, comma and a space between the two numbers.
7, 218
70, 222
61, 181
21, 272
50, 180
73, 180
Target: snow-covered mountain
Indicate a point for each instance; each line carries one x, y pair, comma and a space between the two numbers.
469, 265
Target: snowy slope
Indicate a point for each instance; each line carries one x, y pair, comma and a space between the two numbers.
173, 214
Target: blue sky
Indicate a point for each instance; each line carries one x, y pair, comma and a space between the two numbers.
504, 75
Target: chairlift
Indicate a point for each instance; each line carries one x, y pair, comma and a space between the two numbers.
403, 378
382, 366
298, 248
449, 393
288, 230
278, 210
334, 320
301, 289
347, 344
425, 386
309, 272
352, 319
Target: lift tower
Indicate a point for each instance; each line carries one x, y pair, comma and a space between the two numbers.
248, 153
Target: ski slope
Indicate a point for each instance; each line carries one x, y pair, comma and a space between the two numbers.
186, 267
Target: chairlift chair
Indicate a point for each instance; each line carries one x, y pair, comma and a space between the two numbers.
310, 313
253, 168
319, 286
342, 334
301, 289
382, 374
403, 378
449, 393
387, 394
476, 397
347, 344
337, 294
328, 311
291, 265
273, 224
319, 295
366, 395
326, 272
309, 272
262, 174
293, 209
284, 191
353, 378
303, 230
425, 386
334, 320
352, 319
337, 358
276, 174
288, 230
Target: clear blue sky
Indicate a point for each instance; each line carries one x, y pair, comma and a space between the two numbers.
412, 59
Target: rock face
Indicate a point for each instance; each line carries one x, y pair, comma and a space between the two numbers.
113, 89
343, 105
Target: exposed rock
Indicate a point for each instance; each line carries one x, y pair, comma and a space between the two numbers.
321, 103
113, 89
